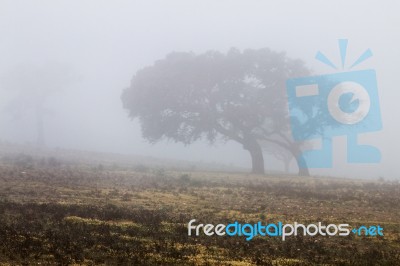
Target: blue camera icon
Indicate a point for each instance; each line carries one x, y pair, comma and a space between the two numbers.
341, 104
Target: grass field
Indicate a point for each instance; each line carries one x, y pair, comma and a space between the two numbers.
51, 213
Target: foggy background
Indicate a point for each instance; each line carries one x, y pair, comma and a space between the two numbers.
103, 43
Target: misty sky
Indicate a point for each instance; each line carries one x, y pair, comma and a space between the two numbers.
106, 42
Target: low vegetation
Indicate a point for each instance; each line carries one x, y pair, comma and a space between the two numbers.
52, 213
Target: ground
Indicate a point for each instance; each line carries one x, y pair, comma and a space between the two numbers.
55, 213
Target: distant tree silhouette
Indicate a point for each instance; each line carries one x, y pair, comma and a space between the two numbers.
285, 149
280, 154
32, 86
238, 96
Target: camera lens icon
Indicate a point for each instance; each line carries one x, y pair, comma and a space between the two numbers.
348, 103
341, 104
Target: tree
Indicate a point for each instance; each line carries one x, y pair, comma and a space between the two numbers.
284, 148
236, 96
32, 86
280, 154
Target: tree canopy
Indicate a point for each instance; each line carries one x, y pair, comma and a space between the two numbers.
238, 95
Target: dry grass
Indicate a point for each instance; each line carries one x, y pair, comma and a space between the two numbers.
76, 214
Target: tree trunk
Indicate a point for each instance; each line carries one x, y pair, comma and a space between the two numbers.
295, 150
303, 171
301, 162
257, 158
39, 126
286, 163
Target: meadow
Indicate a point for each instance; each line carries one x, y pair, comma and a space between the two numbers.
56, 213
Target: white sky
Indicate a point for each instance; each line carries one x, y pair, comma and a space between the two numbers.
108, 41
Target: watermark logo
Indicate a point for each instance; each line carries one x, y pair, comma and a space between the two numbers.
340, 104
279, 229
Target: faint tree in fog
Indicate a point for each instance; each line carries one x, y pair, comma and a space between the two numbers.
238, 96
285, 149
32, 86
280, 154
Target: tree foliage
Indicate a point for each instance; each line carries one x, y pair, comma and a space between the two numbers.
237, 96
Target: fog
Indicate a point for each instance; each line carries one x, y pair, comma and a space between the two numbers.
104, 43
